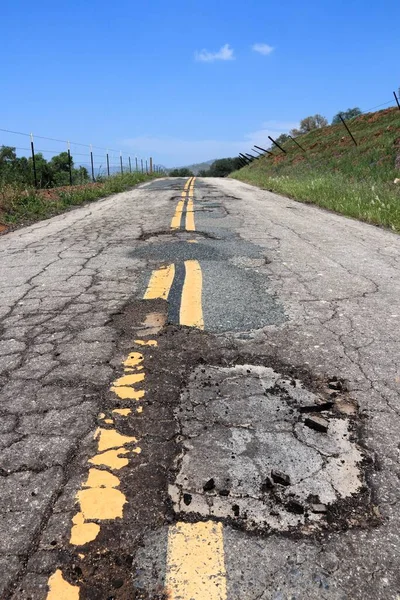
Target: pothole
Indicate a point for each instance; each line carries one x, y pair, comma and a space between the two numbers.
263, 452
183, 235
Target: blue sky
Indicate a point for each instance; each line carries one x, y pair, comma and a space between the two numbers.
183, 80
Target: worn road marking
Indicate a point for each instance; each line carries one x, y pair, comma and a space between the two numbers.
61, 589
196, 562
190, 226
146, 342
185, 208
160, 283
176, 219
191, 313
99, 498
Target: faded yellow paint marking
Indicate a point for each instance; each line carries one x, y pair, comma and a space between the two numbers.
146, 342
134, 359
140, 409
109, 421
137, 450
191, 312
187, 184
82, 533
124, 412
102, 416
110, 438
176, 219
98, 478
111, 459
59, 589
129, 379
192, 242
195, 562
190, 226
127, 393
160, 283
101, 503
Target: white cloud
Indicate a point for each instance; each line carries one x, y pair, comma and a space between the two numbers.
264, 49
175, 152
225, 53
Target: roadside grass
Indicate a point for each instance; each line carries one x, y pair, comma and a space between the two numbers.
356, 181
19, 206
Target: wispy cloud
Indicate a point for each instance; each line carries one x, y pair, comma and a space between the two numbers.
225, 53
174, 151
264, 49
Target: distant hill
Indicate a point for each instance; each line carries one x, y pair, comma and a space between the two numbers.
198, 166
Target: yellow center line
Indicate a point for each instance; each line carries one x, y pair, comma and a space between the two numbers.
191, 313
176, 219
196, 562
187, 184
190, 226
188, 193
160, 283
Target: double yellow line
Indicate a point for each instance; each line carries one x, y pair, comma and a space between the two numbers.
195, 567
161, 280
186, 201
191, 310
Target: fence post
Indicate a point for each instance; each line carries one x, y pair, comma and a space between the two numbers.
91, 162
301, 147
69, 164
141, 160
33, 162
136, 164
147, 172
151, 165
397, 100
130, 166
120, 161
276, 144
108, 165
350, 134
263, 149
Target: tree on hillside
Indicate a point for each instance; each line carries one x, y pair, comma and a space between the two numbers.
19, 170
222, 167
183, 172
350, 113
281, 139
309, 124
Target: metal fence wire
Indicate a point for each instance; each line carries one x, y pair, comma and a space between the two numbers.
247, 158
98, 161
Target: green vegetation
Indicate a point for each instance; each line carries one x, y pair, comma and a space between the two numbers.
357, 181
221, 167
182, 172
309, 124
197, 167
21, 205
55, 172
350, 113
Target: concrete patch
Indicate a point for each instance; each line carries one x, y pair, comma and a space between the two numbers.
263, 452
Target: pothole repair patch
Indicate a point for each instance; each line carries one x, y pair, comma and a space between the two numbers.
262, 451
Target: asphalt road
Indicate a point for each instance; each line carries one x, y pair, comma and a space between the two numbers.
199, 400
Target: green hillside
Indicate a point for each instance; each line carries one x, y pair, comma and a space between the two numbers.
357, 181
203, 166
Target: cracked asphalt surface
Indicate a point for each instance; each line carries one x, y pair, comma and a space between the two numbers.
286, 286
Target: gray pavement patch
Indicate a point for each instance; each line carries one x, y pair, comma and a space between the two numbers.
249, 455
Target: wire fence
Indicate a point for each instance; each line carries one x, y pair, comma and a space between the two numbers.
96, 161
246, 158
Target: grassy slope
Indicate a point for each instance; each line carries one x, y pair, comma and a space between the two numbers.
23, 206
335, 174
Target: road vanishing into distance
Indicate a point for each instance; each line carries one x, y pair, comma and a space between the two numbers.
200, 400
